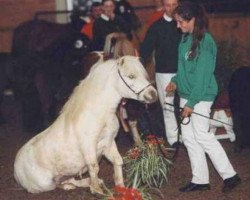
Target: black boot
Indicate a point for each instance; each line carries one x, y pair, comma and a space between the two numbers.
194, 187
231, 183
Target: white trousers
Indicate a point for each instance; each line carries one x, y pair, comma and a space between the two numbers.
162, 80
199, 140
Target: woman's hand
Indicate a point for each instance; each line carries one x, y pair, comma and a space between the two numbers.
171, 87
186, 112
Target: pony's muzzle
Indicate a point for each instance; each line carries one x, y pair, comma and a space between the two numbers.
150, 95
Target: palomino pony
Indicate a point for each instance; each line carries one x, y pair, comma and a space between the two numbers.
84, 131
116, 46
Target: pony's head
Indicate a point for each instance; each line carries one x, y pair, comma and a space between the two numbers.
117, 45
133, 81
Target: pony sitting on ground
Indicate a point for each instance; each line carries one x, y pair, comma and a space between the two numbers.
84, 131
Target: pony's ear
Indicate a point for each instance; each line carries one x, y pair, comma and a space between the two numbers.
121, 61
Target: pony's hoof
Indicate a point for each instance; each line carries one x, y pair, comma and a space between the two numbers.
96, 190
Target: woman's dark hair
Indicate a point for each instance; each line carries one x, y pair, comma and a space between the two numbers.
187, 10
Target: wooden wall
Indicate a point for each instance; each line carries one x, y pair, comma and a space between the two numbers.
233, 27
13, 12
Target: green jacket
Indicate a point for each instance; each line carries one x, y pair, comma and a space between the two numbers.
195, 78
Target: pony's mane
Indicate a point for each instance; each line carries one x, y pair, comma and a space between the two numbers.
117, 45
94, 83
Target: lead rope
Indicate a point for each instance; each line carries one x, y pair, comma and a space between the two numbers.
195, 113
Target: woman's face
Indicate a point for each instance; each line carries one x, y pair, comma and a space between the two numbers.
184, 25
108, 8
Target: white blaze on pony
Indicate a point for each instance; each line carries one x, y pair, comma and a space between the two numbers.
84, 131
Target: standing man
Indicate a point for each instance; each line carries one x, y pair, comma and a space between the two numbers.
163, 39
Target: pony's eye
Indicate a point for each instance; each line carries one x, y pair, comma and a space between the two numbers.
131, 76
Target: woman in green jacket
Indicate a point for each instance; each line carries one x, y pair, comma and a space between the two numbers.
197, 88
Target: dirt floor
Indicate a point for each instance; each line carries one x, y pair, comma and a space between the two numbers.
12, 138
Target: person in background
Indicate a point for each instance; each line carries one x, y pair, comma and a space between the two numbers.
163, 39
95, 12
197, 88
108, 23
126, 11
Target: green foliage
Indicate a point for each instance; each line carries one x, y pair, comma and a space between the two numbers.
227, 60
148, 164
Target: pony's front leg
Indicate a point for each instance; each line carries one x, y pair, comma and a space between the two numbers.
115, 158
90, 156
